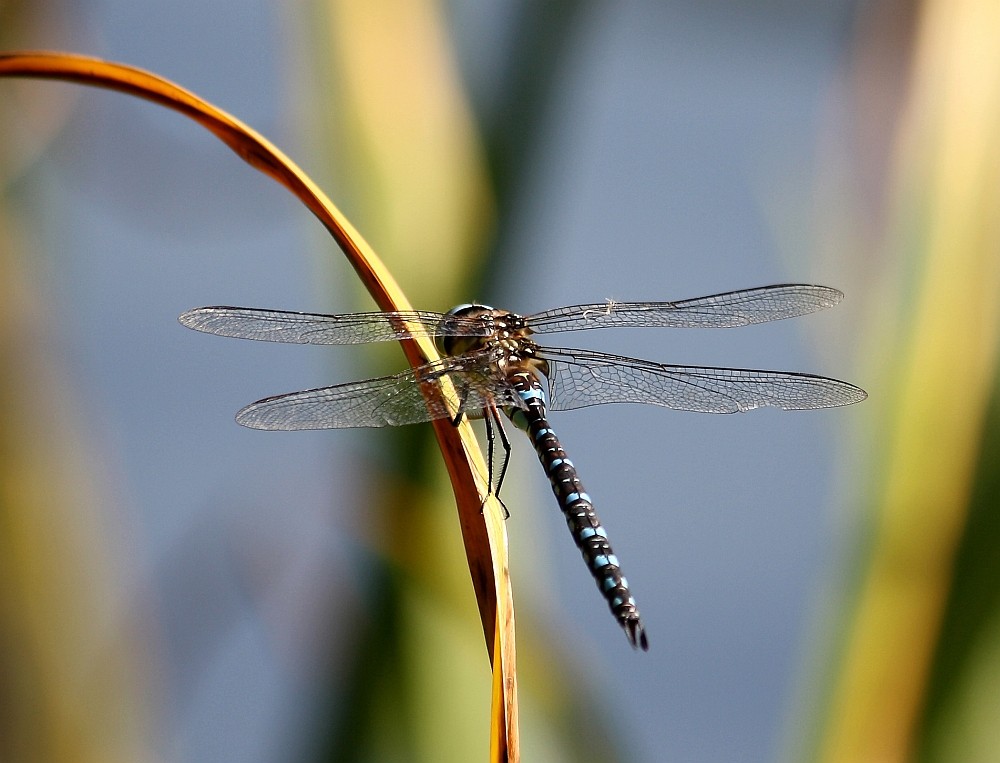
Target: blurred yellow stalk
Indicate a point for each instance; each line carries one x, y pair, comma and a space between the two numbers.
942, 369
75, 682
411, 170
413, 165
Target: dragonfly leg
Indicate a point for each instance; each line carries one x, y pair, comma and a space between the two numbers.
493, 417
457, 418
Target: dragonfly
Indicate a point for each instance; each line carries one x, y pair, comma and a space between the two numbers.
491, 365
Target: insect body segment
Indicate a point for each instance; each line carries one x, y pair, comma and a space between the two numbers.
581, 518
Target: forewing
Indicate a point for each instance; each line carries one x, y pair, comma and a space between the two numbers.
315, 328
728, 310
404, 398
579, 378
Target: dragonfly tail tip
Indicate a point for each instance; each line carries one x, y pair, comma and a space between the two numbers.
636, 634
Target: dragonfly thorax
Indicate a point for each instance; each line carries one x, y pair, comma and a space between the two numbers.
502, 334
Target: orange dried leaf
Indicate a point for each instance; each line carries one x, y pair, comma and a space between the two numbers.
482, 528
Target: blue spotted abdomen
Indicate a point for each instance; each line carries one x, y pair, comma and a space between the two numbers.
589, 535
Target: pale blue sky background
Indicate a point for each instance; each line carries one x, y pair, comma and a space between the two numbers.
680, 159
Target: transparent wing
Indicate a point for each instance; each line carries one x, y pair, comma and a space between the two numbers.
579, 378
386, 400
734, 308
315, 328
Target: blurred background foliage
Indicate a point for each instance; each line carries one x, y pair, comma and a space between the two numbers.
818, 587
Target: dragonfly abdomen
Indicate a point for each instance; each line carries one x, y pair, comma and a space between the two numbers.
581, 518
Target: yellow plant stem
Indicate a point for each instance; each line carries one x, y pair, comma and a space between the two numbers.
482, 530
946, 371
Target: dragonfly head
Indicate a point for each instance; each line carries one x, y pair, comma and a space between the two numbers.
454, 336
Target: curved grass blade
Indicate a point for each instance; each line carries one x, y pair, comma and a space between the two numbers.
479, 515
